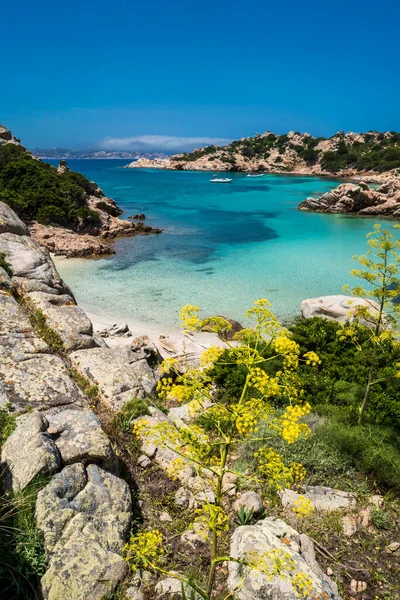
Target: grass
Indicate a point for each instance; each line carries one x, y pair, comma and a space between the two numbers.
22, 556
91, 390
7, 425
4, 264
51, 337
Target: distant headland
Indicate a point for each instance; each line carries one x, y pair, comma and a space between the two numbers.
342, 155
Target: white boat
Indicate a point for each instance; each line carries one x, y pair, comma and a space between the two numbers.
220, 180
255, 175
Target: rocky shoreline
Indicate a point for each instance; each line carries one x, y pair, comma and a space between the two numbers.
359, 199
90, 237
95, 240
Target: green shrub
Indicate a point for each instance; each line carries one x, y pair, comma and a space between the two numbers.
36, 191
340, 378
372, 449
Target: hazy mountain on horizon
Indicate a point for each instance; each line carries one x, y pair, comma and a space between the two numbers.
66, 153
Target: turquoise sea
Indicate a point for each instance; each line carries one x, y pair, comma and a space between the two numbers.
222, 247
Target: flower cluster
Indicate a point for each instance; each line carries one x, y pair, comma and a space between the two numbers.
144, 549
303, 584
210, 356
288, 425
312, 358
302, 507
249, 414
271, 563
168, 365
263, 383
212, 518
278, 475
189, 315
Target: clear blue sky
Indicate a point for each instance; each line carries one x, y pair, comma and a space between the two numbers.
74, 73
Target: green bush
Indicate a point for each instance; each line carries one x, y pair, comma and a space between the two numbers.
372, 449
37, 192
340, 378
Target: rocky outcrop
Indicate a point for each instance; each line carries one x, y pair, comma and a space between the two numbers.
338, 308
85, 510
263, 542
87, 237
6, 137
85, 514
358, 199
297, 153
10, 222
66, 318
117, 379
30, 376
94, 240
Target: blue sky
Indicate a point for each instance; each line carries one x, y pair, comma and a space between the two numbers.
103, 74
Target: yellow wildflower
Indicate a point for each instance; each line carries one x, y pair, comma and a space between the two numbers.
144, 549
303, 584
302, 507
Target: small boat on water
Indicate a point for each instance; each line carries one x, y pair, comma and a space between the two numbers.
255, 175
216, 179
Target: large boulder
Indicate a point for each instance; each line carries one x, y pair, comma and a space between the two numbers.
10, 221
262, 542
338, 308
30, 377
84, 514
65, 318
79, 437
117, 379
33, 269
29, 451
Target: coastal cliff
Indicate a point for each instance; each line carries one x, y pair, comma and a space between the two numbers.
66, 213
344, 154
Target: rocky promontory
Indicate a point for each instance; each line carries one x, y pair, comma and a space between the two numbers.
67, 214
358, 199
344, 154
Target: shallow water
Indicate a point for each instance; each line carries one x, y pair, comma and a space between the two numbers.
222, 247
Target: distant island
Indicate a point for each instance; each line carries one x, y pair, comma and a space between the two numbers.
67, 154
344, 154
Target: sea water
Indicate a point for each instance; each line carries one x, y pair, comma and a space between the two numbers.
222, 245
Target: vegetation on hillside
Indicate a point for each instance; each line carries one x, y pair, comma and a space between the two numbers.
377, 152
37, 192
